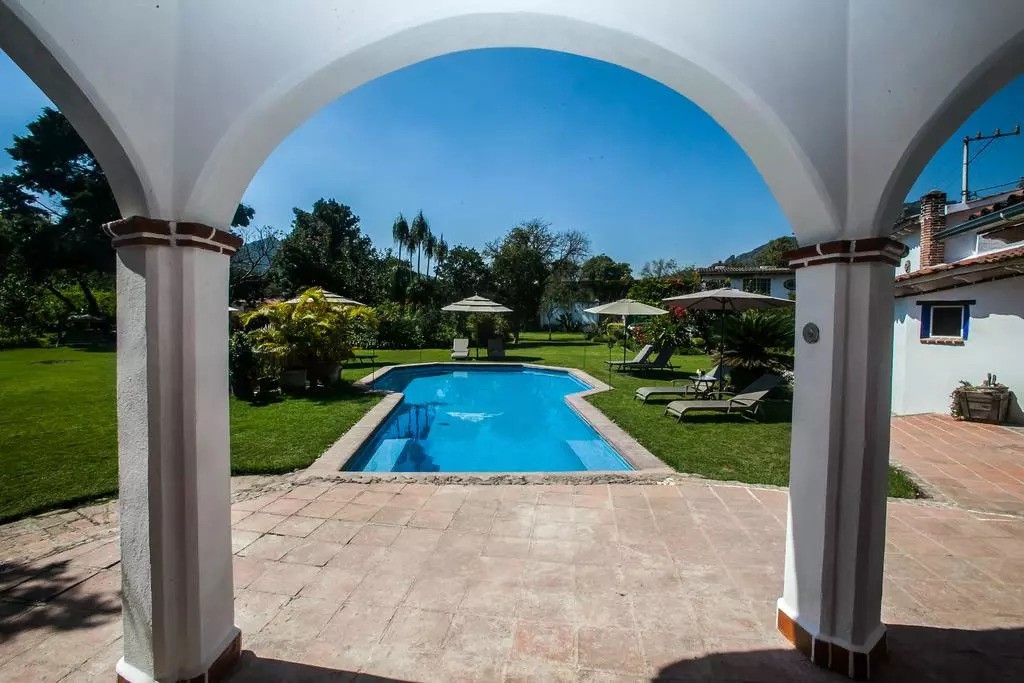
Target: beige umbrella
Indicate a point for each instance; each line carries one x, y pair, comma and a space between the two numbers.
476, 304
333, 299
726, 299
626, 307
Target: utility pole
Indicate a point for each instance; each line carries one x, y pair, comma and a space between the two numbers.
964, 191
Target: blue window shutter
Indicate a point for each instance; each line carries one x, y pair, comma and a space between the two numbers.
967, 320
926, 321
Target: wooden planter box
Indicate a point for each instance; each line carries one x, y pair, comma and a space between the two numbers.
984, 405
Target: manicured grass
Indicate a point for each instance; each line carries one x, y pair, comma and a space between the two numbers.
58, 429
58, 432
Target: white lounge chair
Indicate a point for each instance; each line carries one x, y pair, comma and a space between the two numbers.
460, 349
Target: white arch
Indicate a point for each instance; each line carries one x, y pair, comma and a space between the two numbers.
995, 70
258, 130
28, 45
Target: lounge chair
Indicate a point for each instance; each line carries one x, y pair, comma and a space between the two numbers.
683, 387
663, 361
747, 403
640, 357
496, 348
460, 349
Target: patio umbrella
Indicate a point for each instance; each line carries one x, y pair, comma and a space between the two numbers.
333, 299
626, 307
476, 304
724, 300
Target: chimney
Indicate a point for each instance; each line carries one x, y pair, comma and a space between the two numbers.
933, 220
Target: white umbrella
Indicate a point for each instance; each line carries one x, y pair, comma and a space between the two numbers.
626, 307
476, 304
333, 299
726, 299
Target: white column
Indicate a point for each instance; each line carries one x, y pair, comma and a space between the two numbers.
173, 450
831, 602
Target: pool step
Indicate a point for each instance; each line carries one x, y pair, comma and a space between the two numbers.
387, 455
595, 455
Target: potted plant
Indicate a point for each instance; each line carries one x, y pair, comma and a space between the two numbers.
986, 402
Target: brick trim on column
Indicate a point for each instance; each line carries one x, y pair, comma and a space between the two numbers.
869, 250
141, 231
856, 665
219, 670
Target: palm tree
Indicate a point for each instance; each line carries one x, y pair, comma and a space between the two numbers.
440, 252
418, 232
400, 232
430, 249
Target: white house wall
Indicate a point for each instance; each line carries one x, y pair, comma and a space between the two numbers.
913, 243
925, 374
778, 288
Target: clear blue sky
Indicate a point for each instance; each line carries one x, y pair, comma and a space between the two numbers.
482, 140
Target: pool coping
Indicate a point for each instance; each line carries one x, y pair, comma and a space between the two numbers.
644, 463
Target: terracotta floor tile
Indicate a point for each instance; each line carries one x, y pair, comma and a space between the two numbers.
376, 534
311, 552
270, 547
539, 640
417, 629
610, 649
284, 579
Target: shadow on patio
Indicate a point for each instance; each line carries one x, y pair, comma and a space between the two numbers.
917, 653
56, 596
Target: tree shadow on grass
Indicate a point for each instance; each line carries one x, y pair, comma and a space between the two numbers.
49, 596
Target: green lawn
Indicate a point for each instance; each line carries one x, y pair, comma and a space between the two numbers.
58, 433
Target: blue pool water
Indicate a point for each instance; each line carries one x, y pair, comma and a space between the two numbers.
483, 419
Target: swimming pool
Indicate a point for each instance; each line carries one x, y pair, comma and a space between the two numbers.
483, 419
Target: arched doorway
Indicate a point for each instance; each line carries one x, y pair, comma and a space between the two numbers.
181, 152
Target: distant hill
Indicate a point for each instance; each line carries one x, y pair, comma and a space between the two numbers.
768, 254
259, 253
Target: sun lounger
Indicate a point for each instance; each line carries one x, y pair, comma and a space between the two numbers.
460, 349
495, 348
640, 357
746, 403
691, 386
663, 361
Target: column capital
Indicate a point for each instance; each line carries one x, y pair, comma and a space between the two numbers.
867, 250
136, 231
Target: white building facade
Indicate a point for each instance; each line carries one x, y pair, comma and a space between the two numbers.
959, 313
768, 280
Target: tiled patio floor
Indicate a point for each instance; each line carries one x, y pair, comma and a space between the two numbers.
976, 466
546, 583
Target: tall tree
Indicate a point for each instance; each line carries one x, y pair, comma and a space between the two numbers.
400, 233
326, 248
429, 249
418, 232
606, 279
57, 197
463, 272
522, 261
659, 268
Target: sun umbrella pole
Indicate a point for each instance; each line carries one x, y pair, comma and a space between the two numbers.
625, 335
721, 351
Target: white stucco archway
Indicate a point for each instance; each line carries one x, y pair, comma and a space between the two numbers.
838, 104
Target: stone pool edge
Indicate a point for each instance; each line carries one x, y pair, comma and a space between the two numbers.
646, 466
